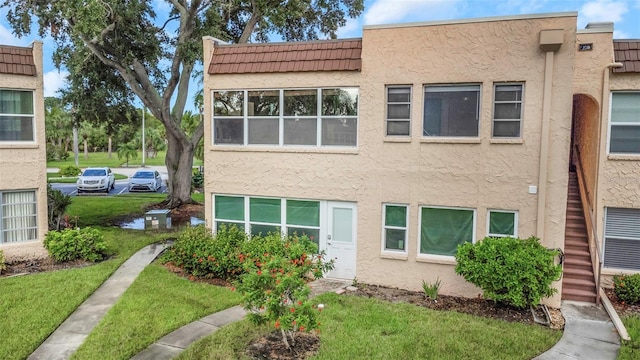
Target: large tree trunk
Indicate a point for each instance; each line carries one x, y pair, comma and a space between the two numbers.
179, 161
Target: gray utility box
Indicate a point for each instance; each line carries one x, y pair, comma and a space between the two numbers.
157, 219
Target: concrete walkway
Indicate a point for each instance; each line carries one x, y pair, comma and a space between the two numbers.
176, 342
68, 337
588, 334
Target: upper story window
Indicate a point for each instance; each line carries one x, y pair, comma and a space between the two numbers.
16, 115
300, 117
451, 110
624, 133
507, 111
398, 121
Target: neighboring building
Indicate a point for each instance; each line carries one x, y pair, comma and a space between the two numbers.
23, 181
392, 149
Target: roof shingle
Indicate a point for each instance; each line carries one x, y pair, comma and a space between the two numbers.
17, 60
327, 55
627, 52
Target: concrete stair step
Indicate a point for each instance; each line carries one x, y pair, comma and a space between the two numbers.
581, 252
584, 283
579, 295
576, 272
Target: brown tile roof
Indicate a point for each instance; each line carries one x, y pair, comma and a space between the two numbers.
324, 55
627, 52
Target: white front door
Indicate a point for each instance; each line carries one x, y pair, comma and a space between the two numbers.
341, 239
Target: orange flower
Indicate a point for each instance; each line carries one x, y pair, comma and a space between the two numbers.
301, 328
292, 310
277, 324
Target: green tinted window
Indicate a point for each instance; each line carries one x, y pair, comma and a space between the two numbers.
501, 223
442, 230
303, 212
229, 207
264, 210
395, 216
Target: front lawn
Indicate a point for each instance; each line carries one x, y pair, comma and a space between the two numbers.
631, 349
106, 210
362, 328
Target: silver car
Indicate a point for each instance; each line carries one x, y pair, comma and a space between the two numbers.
96, 179
145, 180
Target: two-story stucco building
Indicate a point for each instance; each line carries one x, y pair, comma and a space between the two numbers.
23, 181
392, 149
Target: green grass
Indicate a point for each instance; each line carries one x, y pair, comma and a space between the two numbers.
33, 306
361, 328
102, 159
55, 178
631, 349
157, 303
104, 211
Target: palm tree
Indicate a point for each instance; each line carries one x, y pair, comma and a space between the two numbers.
127, 150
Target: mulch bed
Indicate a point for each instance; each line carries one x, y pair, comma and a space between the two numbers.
272, 347
622, 308
34, 266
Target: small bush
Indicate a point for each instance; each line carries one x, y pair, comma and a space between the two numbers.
431, 290
627, 288
3, 265
197, 179
76, 244
519, 272
70, 170
56, 153
201, 253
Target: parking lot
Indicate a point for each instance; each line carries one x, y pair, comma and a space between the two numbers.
121, 186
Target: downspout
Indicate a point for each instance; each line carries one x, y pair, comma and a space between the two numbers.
550, 42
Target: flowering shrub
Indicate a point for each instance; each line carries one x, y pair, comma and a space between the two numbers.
200, 253
274, 286
517, 271
627, 288
73, 244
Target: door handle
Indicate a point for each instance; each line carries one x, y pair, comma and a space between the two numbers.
329, 243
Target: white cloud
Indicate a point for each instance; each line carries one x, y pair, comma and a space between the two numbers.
53, 81
353, 28
619, 34
601, 10
8, 38
395, 11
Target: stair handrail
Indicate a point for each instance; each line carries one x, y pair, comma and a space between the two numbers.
592, 236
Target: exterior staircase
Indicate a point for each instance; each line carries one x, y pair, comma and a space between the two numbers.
578, 282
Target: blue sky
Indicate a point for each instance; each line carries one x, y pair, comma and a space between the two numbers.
625, 14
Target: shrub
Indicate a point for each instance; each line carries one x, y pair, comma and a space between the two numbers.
3, 265
57, 203
75, 244
70, 170
200, 253
274, 287
197, 179
56, 153
519, 272
627, 288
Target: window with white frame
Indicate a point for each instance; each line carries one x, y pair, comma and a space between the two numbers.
507, 111
18, 216
309, 117
16, 116
443, 229
622, 238
502, 223
260, 216
398, 121
624, 134
395, 227
451, 110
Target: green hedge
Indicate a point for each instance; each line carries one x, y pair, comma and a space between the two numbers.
627, 288
76, 244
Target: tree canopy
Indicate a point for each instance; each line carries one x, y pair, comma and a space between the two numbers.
117, 49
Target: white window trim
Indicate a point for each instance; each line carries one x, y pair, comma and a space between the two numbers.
442, 259
493, 109
515, 222
453, 88
633, 156
386, 110
383, 248
34, 123
319, 118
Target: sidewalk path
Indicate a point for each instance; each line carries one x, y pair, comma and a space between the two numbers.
176, 342
68, 337
588, 334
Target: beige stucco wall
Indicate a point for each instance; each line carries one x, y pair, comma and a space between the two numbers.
23, 166
478, 173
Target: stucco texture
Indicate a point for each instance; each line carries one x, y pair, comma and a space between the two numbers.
479, 173
23, 166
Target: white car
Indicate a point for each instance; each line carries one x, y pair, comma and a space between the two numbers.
96, 179
145, 180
